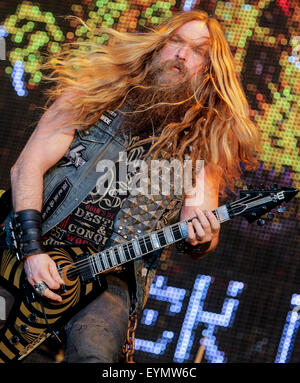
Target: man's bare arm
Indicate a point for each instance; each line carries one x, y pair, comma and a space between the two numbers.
46, 146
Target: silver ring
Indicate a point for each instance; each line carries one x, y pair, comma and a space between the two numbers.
40, 287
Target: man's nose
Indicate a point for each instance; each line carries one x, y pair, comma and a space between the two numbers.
183, 53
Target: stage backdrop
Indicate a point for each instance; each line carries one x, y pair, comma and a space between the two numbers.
242, 301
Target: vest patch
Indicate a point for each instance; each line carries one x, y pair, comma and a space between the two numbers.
112, 114
106, 119
56, 198
74, 156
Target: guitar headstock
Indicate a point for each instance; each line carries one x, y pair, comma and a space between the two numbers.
255, 203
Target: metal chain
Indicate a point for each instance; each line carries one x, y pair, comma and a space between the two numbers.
128, 348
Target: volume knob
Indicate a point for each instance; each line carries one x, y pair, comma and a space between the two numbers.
32, 318
23, 329
14, 340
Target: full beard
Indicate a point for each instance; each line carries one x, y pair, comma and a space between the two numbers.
155, 103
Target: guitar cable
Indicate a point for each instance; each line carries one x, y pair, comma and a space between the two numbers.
47, 323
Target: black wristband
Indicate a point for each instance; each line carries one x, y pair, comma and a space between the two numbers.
28, 215
27, 233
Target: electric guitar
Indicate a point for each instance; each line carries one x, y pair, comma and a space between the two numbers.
32, 319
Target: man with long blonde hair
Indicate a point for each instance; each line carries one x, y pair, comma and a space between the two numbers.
173, 91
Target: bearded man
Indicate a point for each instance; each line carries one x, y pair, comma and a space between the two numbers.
171, 92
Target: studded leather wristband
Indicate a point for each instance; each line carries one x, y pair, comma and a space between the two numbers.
27, 233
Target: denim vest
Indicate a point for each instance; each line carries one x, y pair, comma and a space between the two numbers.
67, 184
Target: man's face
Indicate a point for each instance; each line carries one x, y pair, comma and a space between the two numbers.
186, 52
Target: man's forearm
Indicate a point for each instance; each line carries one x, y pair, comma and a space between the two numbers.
27, 188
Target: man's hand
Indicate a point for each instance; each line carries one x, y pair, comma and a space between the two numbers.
41, 268
205, 228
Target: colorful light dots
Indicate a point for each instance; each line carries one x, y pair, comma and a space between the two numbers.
289, 332
3, 31
240, 20
17, 76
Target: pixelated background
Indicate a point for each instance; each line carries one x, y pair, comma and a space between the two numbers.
240, 302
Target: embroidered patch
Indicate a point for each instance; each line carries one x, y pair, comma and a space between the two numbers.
75, 157
112, 114
56, 198
106, 119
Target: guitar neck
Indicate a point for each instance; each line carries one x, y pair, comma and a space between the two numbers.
119, 254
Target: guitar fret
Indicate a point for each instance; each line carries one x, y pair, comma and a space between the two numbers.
112, 257
222, 213
136, 247
102, 263
216, 214
117, 255
104, 259
108, 258
161, 238
92, 264
142, 245
98, 263
126, 250
168, 235
154, 240
148, 243
131, 250
176, 232
121, 254
183, 229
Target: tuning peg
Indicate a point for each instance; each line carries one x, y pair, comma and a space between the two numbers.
274, 186
261, 222
271, 216
281, 209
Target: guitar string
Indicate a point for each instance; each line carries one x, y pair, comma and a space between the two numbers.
85, 264
98, 253
101, 254
251, 204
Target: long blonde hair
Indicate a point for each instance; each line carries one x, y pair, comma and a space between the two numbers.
217, 125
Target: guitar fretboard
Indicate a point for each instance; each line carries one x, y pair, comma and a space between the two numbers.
140, 246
